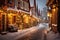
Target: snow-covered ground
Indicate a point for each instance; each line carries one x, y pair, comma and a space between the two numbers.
15, 35
53, 36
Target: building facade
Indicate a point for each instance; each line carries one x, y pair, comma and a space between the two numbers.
16, 12
53, 12
44, 14
8, 17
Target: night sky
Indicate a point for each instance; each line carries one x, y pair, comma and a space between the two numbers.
41, 3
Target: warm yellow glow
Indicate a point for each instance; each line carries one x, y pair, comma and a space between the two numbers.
54, 9
26, 20
1, 11
54, 6
25, 16
49, 14
10, 15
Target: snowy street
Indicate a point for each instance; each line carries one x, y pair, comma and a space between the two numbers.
33, 33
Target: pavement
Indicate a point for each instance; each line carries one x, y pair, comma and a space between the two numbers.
15, 35
53, 36
33, 33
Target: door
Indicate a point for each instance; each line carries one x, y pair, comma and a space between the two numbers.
3, 22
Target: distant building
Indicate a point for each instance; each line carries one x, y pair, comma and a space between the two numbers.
34, 9
44, 13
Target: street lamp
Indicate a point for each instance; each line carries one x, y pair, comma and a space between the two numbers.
48, 14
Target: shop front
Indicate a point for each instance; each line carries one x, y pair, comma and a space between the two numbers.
21, 20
